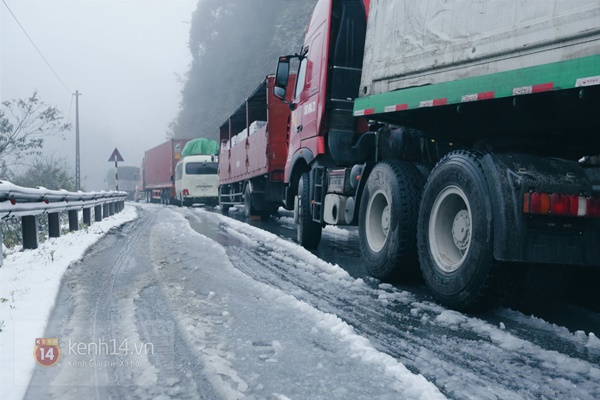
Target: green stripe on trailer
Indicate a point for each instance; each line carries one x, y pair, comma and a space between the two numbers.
579, 72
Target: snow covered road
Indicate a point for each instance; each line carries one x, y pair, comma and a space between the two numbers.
507, 356
210, 307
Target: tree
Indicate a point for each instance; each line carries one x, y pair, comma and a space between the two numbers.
47, 172
234, 45
24, 123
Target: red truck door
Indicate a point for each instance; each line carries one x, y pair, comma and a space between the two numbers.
309, 94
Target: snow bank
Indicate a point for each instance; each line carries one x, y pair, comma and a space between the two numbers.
29, 283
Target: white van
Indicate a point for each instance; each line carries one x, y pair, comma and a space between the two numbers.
196, 180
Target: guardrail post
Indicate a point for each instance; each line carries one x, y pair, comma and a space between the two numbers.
121, 205
111, 209
54, 225
29, 225
87, 216
105, 211
73, 220
98, 213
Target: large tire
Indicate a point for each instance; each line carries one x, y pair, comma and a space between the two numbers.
455, 233
388, 220
249, 206
224, 207
308, 232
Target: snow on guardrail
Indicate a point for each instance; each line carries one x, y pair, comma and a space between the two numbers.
29, 203
18, 201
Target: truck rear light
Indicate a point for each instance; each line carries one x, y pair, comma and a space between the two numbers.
578, 205
560, 204
186, 192
539, 203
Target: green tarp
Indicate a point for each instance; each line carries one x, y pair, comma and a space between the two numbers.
200, 146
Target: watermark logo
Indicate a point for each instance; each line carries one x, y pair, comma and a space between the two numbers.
46, 351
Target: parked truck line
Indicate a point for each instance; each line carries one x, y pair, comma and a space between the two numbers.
459, 137
158, 170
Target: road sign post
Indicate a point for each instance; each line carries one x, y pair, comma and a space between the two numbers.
116, 157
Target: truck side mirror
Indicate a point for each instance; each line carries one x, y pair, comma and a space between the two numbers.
283, 72
281, 78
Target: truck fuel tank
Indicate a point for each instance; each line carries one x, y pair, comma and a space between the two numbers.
338, 210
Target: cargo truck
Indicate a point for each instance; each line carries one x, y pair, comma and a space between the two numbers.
254, 145
158, 169
460, 136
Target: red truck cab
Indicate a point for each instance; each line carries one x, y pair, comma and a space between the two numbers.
327, 82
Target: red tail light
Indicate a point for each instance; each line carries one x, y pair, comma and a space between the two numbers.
540, 203
561, 204
186, 192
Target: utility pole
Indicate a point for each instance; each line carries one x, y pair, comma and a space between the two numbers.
77, 154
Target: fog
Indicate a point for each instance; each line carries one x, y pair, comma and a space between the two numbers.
127, 58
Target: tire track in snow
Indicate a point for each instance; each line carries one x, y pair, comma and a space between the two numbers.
465, 356
113, 293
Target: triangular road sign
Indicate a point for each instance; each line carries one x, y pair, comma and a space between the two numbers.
115, 156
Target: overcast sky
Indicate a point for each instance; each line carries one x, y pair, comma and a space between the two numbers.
128, 58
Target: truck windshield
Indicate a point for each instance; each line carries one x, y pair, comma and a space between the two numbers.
201, 168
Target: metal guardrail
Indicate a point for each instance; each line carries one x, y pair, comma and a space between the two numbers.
29, 203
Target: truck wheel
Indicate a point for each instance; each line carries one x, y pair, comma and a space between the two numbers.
250, 209
455, 232
225, 209
308, 232
388, 220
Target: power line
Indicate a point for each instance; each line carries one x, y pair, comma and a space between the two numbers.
38, 50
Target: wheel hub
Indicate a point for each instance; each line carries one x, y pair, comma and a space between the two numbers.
378, 220
450, 229
385, 220
461, 229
